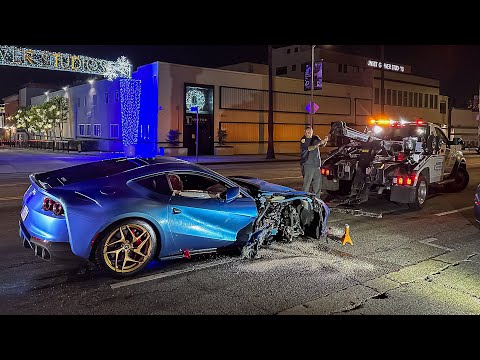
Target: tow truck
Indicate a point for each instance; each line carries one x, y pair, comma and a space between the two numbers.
397, 159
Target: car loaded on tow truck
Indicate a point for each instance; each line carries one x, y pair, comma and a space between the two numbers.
399, 159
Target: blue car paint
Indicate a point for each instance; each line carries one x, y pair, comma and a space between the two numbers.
92, 204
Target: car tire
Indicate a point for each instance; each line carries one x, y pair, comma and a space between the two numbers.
461, 180
421, 193
123, 256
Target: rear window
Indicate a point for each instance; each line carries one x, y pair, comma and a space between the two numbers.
398, 133
88, 171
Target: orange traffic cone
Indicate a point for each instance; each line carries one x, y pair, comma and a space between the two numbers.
346, 237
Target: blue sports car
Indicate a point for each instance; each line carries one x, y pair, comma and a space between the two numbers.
122, 213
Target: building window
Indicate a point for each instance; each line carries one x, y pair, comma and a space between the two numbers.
88, 129
399, 102
415, 99
296, 49
426, 100
81, 129
443, 107
410, 98
435, 103
85, 101
355, 69
106, 98
431, 101
96, 130
78, 102
389, 97
294, 67
281, 70
340, 67
377, 95
94, 99
420, 100
394, 97
405, 98
114, 131
288, 51
117, 96
344, 68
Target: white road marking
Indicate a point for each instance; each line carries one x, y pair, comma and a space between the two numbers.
8, 198
282, 178
429, 240
14, 184
454, 211
168, 274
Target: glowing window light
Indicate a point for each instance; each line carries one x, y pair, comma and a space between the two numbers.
130, 91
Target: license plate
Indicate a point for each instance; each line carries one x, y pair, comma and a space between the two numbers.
24, 212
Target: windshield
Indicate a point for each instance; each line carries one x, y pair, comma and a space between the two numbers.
398, 133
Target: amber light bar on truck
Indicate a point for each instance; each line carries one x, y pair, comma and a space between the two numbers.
406, 180
394, 123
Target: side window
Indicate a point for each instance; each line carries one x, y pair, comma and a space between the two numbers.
442, 137
158, 184
196, 186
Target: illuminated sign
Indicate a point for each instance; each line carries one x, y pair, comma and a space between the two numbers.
317, 76
43, 59
386, 66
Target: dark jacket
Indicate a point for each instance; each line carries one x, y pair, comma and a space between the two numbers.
310, 158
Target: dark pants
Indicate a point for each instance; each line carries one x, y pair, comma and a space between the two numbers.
311, 176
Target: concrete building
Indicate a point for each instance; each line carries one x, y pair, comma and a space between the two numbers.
405, 94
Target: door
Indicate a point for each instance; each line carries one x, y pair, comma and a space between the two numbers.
198, 216
446, 150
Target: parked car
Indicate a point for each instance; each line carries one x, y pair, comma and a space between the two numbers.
122, 213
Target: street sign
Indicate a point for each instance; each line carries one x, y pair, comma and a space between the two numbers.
309, 108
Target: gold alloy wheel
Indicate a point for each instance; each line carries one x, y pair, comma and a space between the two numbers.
127, 248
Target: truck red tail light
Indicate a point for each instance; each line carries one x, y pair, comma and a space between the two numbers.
53, 206
405, 180
400, 156
326, 172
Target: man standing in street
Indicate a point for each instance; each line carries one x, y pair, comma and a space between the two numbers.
310, 160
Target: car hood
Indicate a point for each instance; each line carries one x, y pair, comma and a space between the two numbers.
265, 186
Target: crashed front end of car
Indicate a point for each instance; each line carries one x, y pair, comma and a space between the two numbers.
283, 214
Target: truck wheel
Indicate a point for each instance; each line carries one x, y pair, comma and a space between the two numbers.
461, 180
421, 192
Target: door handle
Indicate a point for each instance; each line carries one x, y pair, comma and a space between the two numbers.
176, 211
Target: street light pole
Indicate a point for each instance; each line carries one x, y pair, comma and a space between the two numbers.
382, 81
196, 138
311, 86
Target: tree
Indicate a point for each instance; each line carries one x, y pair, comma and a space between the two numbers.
57, 112
270, 149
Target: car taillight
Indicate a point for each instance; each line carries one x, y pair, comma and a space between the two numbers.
322, 171
53, 206
405, 180
400, 156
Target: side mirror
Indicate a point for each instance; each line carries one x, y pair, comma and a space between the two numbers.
231, 194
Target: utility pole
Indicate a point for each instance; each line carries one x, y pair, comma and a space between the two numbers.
270, 150
311, 85
382, 81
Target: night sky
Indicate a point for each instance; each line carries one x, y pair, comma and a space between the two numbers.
456, 66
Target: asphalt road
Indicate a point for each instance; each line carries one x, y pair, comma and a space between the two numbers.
423, 262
